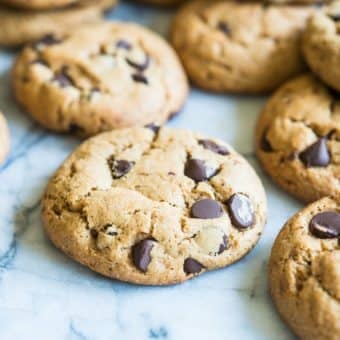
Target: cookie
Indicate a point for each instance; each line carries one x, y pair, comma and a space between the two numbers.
304, 271
21, 27
154, 205
38, 4
239, 47
298, 139
97, 78
4, 138
321, 45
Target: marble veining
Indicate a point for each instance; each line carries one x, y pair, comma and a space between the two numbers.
45, 295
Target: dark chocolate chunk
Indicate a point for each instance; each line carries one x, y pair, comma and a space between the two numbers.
94, 233
139, 78
139, 66
153, 127
212, 146
241, 211
223, 245
192, 266
206, 209
48, 40
119, 168
141, 254
224, 27
316, 155
123, 44
325, 225
198, 171
62, 78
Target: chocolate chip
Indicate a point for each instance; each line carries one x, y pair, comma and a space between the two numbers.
139, 78
198, 171
265, 144
206, 209
140, 67
63, 79
224, 27
94, 233
119, 168
123, 44
316, 154
223, 245
212, 146
75, 128
47, 40
335, 17
141, 254
241, 211
325, 225
153, 127
192, 266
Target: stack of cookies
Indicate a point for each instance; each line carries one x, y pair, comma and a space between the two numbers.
24, 21
152, 205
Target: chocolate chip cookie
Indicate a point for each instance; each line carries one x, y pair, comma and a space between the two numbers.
304, 271
154, 205
96, 78
4, 138
321, 45
298, 139
239, 47
24, 26
38, 4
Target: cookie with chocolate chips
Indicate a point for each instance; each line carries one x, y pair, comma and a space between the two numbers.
298, 139
154, 205
100, 77
321, 45
304, 271
20, 27
229, 46
4, 138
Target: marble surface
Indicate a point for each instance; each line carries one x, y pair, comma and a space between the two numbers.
45, 295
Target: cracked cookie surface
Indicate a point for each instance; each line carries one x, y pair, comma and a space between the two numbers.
321, 45
298, 139
154, 206
39, 4
24, 26
239, 47
304, 271
101, 77
4, 138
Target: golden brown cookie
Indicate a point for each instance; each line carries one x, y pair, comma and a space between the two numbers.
4, 138
100, 77
23, 26
239, 47
321, 45
154, 205
304, 271
39, 4
298, 139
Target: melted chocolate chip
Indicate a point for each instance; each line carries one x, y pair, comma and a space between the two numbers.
139, 78
153, 127
94, 233
119, 168
198, 171
63, 79
75, 128
224, 27
325, 225
141, 254
316, 155
241, 211
192, 266
123, 44
212, 146
223, 245
48, 40
206, 209
140, 67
